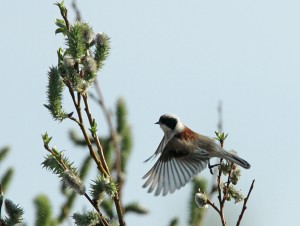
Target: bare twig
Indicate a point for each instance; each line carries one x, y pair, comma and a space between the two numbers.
214, 186
102, 218
113, 134
220, 191
57, 157
221, 211
227, 184
95, 137
83, 130
100, 151
213, 206
111, 127
64, 13
245, 204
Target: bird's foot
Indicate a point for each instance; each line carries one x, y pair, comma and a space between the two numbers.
212, 166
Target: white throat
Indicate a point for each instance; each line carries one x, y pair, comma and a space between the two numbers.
169, 133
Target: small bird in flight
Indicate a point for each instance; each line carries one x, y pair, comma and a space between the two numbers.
183, 154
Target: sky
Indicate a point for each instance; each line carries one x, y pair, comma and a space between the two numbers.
180, 57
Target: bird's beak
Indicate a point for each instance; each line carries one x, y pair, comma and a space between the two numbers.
157, 123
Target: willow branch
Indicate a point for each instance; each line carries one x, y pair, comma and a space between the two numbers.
213, 206
95, 137
57, 157
214, 186
102, 218
113, 134
227, 185
100, 151
245, 204
83, 130
221, 213
112, 130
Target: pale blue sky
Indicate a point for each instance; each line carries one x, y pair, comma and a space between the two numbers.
167, 56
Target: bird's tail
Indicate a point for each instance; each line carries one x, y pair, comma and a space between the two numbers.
234, 158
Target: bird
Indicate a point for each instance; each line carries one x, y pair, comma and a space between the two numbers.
183, 154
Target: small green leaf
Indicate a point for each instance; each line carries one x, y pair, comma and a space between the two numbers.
93, 129
220, 136
60, 54
60, 23
46, 139
62, 27
62, 8
59, 30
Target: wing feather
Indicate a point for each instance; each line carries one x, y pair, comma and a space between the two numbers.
182, 173
175, 167
157, 171
172, 179
159, 149
176, 178
166, 180
160, 180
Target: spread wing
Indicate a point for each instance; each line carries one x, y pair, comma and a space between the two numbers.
176, 166
159, 150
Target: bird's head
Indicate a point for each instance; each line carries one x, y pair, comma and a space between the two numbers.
170, 123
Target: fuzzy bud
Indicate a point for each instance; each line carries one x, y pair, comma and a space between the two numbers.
201, 199
103, 185
69, 62
232, 193
82, 86
89, 65
227, 166
235, 176
73, 181
102, 48
87, 219
88, 34
101, 38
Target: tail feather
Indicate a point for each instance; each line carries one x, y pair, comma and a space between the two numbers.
235, 159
